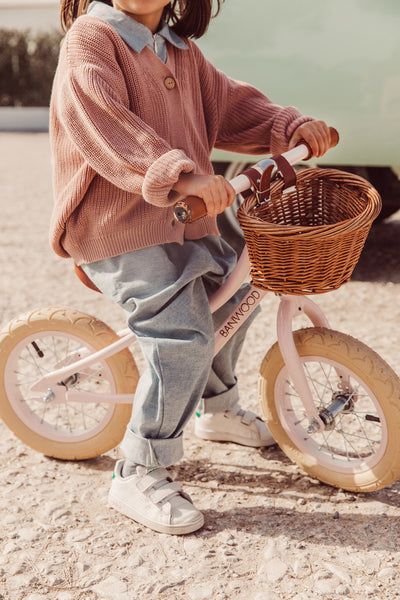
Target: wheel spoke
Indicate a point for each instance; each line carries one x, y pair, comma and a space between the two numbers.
355, 446
352, 438
42, 355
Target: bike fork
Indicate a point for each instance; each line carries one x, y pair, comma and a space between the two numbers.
289, 308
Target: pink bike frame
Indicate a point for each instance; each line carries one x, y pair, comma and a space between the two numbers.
53, 390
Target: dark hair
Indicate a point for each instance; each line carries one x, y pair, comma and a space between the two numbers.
188, 18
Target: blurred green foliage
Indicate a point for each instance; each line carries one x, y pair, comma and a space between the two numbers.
27, 65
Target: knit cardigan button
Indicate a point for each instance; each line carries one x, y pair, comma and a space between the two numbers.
169, 83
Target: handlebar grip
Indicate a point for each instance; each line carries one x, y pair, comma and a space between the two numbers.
334, 137
333, 142
190, 209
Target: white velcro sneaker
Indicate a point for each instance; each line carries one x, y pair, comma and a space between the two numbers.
151, 498
237, 426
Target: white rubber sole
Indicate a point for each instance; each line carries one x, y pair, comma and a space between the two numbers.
179, 529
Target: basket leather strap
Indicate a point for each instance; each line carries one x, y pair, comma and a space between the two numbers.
265, 184
288, 173
260, 183
254, 177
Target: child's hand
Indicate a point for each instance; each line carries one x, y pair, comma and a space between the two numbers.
316, 134
216, 192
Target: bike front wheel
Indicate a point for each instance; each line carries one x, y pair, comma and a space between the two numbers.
360, 448
50, 338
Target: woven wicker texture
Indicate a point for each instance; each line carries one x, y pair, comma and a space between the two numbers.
308, 239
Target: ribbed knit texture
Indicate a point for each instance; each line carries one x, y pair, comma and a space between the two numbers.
120, 139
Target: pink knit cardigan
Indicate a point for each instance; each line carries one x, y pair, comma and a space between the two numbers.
124, 126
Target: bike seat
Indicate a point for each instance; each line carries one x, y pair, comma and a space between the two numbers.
85, 279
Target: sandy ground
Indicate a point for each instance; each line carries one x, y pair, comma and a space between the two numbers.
271, 532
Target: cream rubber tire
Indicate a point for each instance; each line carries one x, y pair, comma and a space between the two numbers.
361, 451
38, 342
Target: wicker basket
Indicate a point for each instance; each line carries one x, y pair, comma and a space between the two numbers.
308, 239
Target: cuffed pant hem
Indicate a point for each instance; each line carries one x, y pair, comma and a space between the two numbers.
152, 452
225, 401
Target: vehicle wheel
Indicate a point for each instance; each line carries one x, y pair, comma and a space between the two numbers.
361, 450
385, 180
37, 343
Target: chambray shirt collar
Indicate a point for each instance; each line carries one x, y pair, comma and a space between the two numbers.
136, 35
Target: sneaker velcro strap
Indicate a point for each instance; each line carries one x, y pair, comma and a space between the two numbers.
248, 417
166, 491
186, 496
149, 480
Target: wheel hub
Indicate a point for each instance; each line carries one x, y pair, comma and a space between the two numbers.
341, 401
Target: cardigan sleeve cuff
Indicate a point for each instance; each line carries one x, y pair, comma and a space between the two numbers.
285, 125
162, 175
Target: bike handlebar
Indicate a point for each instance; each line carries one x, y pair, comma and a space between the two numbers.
192, 207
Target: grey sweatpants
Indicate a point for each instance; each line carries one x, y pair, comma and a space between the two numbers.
165, 291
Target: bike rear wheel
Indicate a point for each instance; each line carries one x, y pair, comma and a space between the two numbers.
360, 451
38, 343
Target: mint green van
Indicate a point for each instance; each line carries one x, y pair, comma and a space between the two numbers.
338, 61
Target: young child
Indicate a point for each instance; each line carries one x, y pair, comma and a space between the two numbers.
136, 110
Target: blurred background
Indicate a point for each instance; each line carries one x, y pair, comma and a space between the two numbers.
338, 62
30, 38
39, 15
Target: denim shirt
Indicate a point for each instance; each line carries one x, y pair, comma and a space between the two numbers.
136, 35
